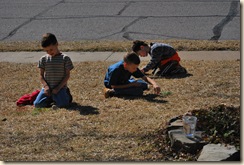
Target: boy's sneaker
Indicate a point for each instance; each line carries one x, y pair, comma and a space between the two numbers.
157, 72
54, 107
108, 92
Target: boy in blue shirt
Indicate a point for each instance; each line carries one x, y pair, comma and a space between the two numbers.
55, 70
118, 79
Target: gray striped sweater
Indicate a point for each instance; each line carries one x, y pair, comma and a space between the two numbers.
158, 52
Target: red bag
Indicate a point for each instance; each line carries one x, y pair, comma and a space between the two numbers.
28, 99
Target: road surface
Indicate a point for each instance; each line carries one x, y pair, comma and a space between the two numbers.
74, 20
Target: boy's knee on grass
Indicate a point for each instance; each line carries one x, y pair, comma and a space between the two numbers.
39, 105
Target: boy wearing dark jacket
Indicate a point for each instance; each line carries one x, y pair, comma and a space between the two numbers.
165, 59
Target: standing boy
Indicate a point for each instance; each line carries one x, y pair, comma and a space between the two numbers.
55, 70
118, 79
164, 58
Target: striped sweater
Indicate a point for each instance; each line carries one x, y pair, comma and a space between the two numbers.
55, 68
158, 52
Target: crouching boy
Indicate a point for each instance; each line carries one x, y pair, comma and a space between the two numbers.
165, 61
54, 74
118, 79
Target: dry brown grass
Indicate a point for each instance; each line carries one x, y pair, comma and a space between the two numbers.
98, 129
122, 46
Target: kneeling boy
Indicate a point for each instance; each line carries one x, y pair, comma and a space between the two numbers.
164, 58
55, 70
118, 79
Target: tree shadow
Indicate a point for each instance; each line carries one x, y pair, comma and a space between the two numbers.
147, 97
84, 110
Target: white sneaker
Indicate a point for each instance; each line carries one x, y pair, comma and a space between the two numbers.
54, 107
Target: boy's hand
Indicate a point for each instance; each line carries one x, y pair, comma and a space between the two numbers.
55, 90
47, 90
156, 89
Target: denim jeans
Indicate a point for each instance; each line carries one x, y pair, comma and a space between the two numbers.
133, 91
61, 99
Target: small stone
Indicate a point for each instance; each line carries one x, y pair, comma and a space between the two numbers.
5, 119
180, 141
177, 124
218, 152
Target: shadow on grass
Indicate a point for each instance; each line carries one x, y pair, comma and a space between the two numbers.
84, 110
178, 76
147, 97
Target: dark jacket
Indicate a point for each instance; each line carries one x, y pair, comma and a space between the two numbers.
158, 52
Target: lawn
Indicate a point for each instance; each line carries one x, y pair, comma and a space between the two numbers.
99, 129
121, 46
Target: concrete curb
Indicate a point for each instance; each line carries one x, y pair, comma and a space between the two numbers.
32, 57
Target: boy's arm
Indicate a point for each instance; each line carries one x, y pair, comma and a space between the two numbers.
156, 58
63, 82
153, 83
44, 83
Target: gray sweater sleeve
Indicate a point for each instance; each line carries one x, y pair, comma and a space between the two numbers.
159, 52
156, 58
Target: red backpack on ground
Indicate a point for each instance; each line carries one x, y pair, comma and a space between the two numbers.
28, 99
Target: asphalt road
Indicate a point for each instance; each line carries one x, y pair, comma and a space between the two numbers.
72, 20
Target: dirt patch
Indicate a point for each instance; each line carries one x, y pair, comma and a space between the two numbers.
98, 129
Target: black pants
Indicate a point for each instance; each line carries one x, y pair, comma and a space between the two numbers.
170, 69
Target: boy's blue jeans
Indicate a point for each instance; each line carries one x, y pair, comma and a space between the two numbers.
133, 91
61, 99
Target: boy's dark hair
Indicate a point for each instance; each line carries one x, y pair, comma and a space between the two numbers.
137, 45
132, 58
48, 39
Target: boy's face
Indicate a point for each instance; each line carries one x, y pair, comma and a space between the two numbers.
52, 49
143, 52
130, 67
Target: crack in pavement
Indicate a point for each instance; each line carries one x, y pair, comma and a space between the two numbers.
124, 29
13, 32
112, 16
125, 7
126, 34
217, 30
109, 56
